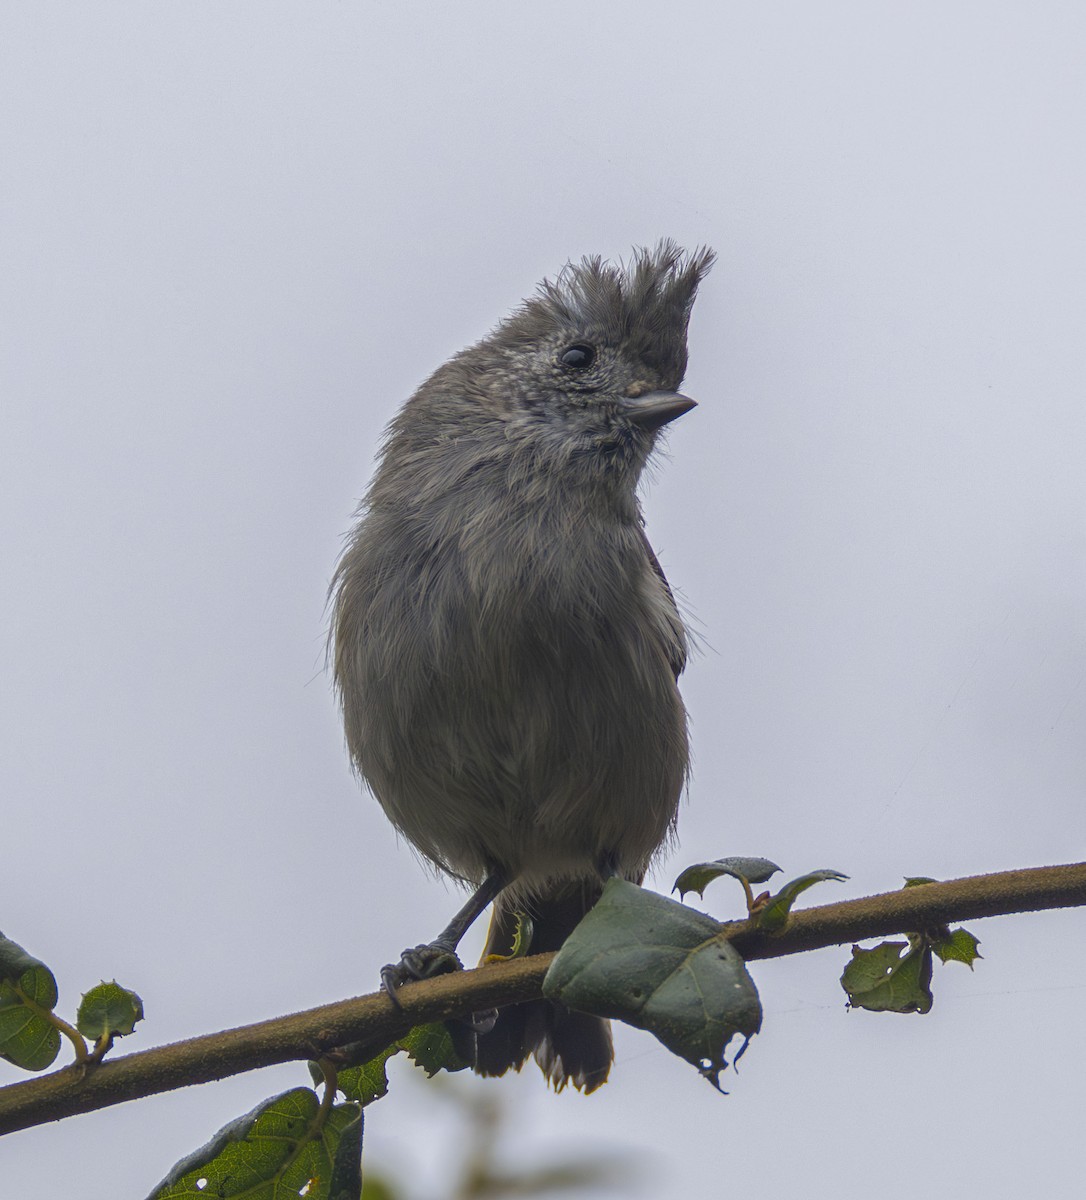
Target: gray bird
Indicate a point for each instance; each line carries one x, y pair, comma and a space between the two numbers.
505, 644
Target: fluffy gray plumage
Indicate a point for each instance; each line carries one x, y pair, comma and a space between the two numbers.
506, 647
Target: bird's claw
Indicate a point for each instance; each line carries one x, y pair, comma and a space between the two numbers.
427, 962
416, 963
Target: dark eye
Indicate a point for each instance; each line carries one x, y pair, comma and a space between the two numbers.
580, 357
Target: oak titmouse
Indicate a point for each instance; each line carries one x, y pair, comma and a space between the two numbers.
506, 646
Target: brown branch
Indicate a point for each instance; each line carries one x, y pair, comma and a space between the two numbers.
374, 1021
1028, 890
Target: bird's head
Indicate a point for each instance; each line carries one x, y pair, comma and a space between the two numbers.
572, 388
594, 359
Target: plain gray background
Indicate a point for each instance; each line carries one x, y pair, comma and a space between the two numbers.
235, 236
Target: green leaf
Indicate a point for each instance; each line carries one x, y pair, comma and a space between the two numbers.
521, 943
108, 1010
960, 946
431, 1048
659, 966
28, 994
893, 977
428, 1046
698, 877
522, 937
344, 1141
369, 1081
952, 945
774, 916
274, 1152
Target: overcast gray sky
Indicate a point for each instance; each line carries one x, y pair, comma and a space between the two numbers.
236, 236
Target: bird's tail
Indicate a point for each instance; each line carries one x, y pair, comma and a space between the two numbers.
570, 1047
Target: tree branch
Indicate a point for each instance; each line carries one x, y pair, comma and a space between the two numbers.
374, 1021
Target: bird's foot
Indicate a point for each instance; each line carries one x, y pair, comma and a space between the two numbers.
427, 962
419, 962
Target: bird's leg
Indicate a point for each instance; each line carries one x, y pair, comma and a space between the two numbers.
607, 865
439, 956
451, 935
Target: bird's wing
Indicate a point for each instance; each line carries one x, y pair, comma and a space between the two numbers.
676, 642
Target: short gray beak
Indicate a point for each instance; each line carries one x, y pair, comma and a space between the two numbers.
655, 409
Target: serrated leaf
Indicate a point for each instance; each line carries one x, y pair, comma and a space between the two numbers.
698, 877
108, 1010
960, 946
428, 1046
431, 1048
893, 977
369, 1081
659, 966
522, 936
523, 931
774, 916
274, 1152
28, 993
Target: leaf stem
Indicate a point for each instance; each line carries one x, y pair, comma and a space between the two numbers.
79, 1044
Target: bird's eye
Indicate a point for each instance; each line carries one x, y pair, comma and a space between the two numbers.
580, 357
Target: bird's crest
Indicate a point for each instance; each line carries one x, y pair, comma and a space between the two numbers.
643, 304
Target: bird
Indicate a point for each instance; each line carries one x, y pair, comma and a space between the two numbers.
504, 643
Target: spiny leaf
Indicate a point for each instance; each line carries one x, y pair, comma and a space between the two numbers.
952, 945
660, 966
522, 938
960, 946
774, 916
28, 994
108, 1010
893, 977
698, 877
280, 1149
431, 1048
428, 1046
368, 1081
